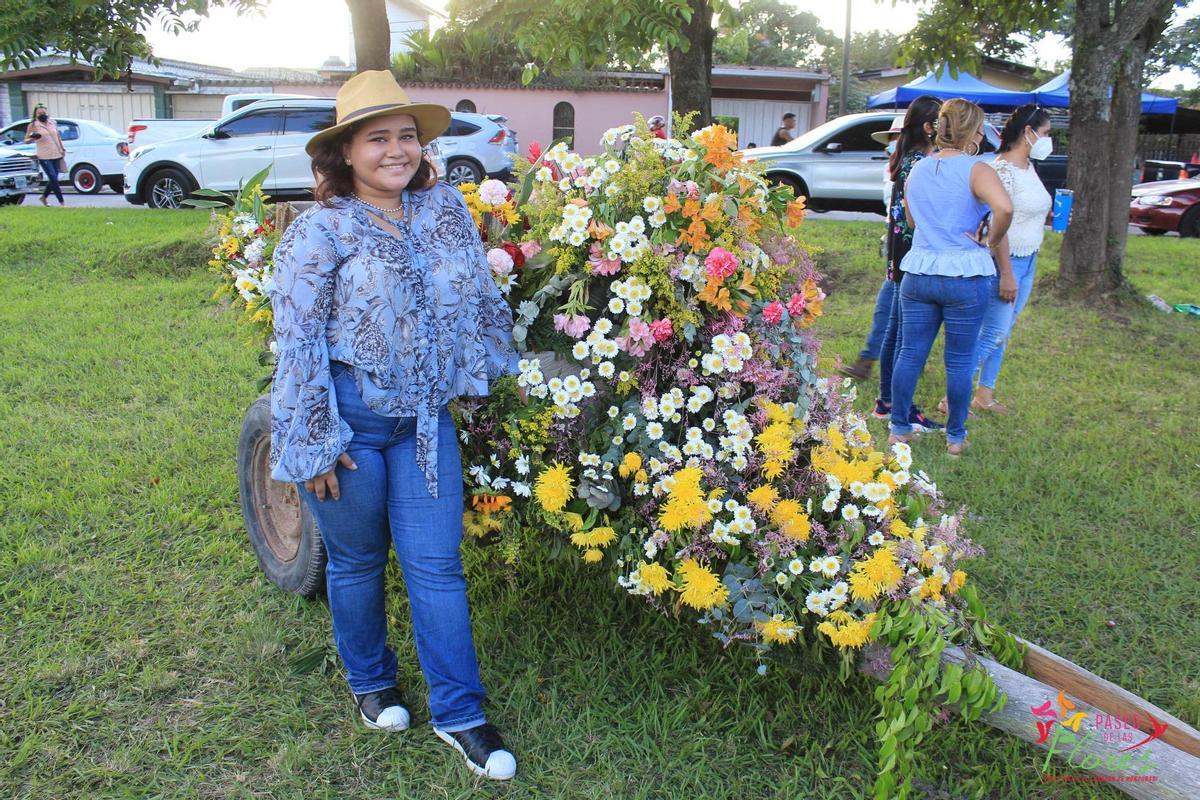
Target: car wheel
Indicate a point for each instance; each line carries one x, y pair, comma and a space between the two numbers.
12, 200
461, 171
86, 179
789, 180
117, 185
1154, 231
1189, 226
167, 188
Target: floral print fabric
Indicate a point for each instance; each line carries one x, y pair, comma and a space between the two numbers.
900, 235
417, 316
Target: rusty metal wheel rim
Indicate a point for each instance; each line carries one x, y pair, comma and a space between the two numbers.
277, 506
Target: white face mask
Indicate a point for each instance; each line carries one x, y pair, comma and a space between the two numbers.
1041, 148
891, 147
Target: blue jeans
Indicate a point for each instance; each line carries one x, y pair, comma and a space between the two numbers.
50, 167
998, 321
385, 502
879, 321
892, 341
928, 301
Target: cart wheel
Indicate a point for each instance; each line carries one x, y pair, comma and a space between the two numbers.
282, 531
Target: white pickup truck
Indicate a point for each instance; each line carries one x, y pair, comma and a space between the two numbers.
18, 174
148, 131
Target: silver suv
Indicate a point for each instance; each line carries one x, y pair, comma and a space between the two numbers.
477, 146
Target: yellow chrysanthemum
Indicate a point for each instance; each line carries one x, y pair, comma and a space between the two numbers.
764, 497
878, 574
654, 576
778, 630
630, 465
592, 556
846, 632
931, 589
596, 537
702, 589
789, 516
574, 521
686, 506
554, 487
900, 529
479, 525
956, 581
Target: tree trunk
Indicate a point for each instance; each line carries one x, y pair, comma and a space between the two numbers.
691, 71
1126, 114
372, 34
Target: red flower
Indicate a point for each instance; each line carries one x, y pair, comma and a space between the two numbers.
535, 152
773, 312
515, 252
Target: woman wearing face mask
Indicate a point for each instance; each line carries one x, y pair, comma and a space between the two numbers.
44, 132
948, 276
1026, 136
385, 311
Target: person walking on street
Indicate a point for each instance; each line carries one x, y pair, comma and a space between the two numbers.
948, 275
783, 134
43, 132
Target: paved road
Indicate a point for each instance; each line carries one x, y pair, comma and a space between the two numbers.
108, 199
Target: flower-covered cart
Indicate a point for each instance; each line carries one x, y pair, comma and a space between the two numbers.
668, 425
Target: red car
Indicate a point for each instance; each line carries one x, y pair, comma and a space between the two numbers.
1164, 206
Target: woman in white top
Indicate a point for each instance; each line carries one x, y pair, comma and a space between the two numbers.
1026, 136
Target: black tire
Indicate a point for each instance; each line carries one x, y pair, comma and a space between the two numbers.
1154, 231
86, 179
462, 170
117, 185
282, 531
12, 200
168, 188
1189, 226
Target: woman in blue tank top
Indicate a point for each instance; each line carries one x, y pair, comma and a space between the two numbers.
948, 272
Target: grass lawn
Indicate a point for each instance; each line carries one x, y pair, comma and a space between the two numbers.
143, 655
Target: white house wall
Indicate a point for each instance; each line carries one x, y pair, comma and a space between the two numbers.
758, 119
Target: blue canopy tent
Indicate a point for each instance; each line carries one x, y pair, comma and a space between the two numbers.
965, 85
1056, 93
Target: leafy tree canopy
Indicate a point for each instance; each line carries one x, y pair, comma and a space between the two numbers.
771, 33
104, 33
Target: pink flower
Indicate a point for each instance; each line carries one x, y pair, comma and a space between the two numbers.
530, 248
720, 263
500, 261
639, 340
574, 326
601, 265
796, 304
662, 329
773, 312
493, 192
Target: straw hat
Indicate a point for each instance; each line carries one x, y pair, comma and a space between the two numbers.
375, 93
883, 136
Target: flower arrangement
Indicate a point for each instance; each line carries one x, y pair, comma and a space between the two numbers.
668, 422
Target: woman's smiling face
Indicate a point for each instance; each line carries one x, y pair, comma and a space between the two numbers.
384, 153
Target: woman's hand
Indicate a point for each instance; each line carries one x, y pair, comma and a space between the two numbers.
1008, 287
327, 481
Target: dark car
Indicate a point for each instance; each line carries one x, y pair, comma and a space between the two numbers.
1164, 206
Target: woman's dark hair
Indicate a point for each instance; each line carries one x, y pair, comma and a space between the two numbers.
912, 136
1029, 114
335, 178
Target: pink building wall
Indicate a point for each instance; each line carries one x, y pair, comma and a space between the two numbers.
530, 112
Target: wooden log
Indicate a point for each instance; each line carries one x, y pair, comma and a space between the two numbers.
1176, 773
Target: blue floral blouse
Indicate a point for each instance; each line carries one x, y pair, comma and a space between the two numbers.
417, 316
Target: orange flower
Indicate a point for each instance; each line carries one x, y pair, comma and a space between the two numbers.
491, 503
712, 210
691, 208
795, 211
814, 302
715, 295
695, 235
599, 231
670, 203
719, 144
749, 219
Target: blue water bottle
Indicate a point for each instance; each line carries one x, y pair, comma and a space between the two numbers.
1062, 209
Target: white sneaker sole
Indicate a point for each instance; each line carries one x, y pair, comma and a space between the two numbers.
480, 771
375, 726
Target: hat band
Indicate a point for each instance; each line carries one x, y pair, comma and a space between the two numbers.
358, 112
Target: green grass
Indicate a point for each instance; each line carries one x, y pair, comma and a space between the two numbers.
143, 655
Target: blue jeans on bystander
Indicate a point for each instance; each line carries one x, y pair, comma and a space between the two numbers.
893, 339
50, 167
928, 301
998, 321
879, 320
385, 503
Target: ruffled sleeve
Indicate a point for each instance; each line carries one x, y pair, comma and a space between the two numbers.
493, 315
307, 434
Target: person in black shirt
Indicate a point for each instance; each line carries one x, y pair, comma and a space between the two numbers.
783, 134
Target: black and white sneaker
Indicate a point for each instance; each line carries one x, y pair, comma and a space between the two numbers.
484, 751
383, 710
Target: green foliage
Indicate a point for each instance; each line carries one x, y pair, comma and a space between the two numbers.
1179, 48
960, 34
771, 33
104, 33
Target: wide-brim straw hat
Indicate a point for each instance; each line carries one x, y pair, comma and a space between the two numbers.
897, 126
375, 93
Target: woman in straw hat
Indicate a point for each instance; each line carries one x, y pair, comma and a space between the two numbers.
385, 311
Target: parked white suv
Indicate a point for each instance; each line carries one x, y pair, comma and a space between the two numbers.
19, 173
95, 152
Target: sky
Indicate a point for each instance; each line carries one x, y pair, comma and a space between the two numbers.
304, 33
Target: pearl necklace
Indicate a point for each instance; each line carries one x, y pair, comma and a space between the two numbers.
377, 208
